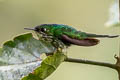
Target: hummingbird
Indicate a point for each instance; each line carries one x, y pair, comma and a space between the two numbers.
67, 35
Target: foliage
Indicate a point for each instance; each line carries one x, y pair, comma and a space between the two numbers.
47, 67
20, 56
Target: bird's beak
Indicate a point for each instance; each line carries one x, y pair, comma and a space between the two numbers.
29, 29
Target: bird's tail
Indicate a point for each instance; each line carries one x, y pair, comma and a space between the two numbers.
101, 36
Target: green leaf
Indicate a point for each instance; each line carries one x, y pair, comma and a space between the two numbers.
19, 57
24, 48
48, 66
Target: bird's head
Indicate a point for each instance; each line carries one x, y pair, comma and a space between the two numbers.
42, 29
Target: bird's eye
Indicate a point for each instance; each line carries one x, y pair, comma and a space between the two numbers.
43, 29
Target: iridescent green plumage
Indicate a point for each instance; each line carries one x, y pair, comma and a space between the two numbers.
68, 35
57, 30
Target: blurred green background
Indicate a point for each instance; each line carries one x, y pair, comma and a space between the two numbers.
84, 15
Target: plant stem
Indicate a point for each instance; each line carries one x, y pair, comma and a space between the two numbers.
113, 66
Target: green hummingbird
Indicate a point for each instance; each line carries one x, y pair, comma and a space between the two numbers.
67, 35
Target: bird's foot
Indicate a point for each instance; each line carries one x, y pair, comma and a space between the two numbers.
62, 50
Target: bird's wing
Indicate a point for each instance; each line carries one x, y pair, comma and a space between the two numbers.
83, 42
84, 39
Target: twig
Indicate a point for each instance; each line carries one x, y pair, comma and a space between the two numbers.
113, 66
104, 64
